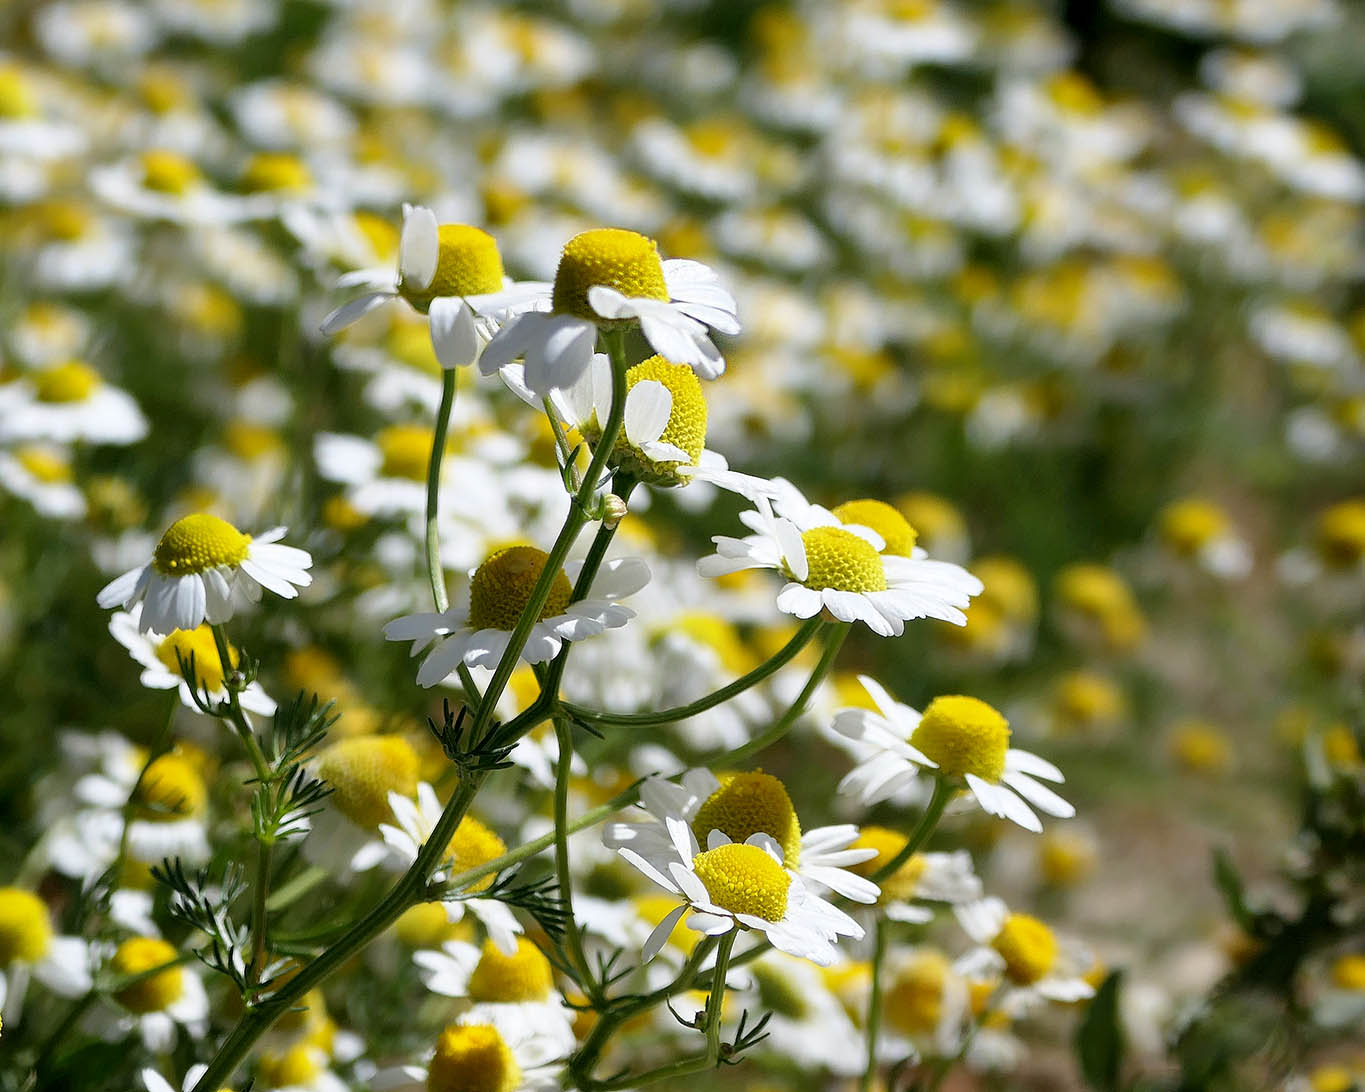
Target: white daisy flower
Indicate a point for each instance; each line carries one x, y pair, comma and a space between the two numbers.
161, 658
515, 993
924, 877
478, 1055
500, 588
738, 806
837, 562
201, 570
740, 885
610, 278
807, 1023
472, 845
450, 272
69, 402
156, 1004
28, 949
161, 184
169, 819
41, 475
956, 737
1035, 964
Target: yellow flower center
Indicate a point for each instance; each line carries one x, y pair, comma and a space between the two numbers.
751, 803
406, 451
467, 264
1094, 590
16, 99
410, 342
624, 260
1348, 972
523, 976
65, 221
167, 172
156, 992
299, 1065
964, 736
1200, 747
718, 634
74, 381
902, 884
686, 426
913, 1003
744, 880
363, 771
378, 232
276, 172
886, 521
1191, 524
25, 929
932, 516
44, 464
654, 908
197, 543
1064, 858
779, 994
1084, 699
427, 925
1008, 586
472, 845
1341, 534
502, 588
199, 644
251, 441
1028, 948
839, 559
171, 789
472, 1058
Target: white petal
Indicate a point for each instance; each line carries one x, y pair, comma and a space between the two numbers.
419, 248
648, 407
353, 311
659, 935
452, 332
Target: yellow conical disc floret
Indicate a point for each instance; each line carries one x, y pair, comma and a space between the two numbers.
74, 381
467, 264
472, 845
406, 451
886, 521
744, 880
197, 543
901, 884
914, 1001
171, 788
686, 426
363, 771
167, 172
1348, 972
502, 587
964, 736
25, 928
1341, 534
154, 993
276, 172
839, 559
296, 1067
624, 260
751, 803
195, 646
1191, 524
45, 464
502, 979
1028, 948
472, 1058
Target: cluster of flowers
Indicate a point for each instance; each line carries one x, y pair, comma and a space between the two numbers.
505, 474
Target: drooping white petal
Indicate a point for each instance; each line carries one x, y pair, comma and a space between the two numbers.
419, 248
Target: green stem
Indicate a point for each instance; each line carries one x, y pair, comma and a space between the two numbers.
745, 682
563, 875
412, 886
295, 889
874, 1003
435, 573
236, 716
943, 792
784, 723
260, 893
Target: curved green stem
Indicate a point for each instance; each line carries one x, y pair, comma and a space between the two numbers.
784, 656
563, 875
943, 792
784, 723
435, 573
874, 1004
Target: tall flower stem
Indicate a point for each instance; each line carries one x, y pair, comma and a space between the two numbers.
943, 792
435, 574
874, 1003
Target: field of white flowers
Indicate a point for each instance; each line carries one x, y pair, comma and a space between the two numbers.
775, 545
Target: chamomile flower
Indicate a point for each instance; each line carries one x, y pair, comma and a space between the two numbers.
740, 805
154, 1004
200, 571
1035, 963
452, 273
28, 948
68, 402
471, 1055
472, 845
924, 877
807, 1022
170, 801
844, 566
478, 634
739, 885
924, 1004
956, 737
513, 992
610, 278
161, 184
162, 657
41, 474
